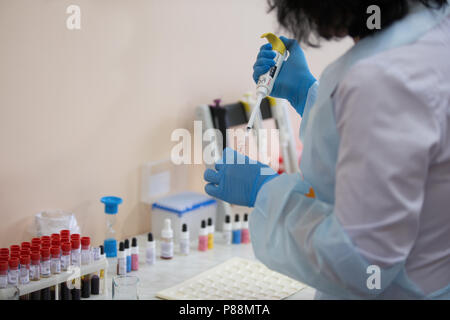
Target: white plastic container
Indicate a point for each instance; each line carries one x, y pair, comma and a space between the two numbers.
186, 207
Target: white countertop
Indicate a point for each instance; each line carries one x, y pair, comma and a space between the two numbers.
167, 273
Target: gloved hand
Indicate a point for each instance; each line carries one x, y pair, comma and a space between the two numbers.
237, 181
294, 79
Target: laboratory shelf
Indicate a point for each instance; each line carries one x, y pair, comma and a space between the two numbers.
12, 292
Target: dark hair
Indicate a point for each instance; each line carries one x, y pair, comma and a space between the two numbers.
310, 20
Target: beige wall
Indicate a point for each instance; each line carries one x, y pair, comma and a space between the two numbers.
81, 111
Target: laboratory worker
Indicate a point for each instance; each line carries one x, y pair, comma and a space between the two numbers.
376, 151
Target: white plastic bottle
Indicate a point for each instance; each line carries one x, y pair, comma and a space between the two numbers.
167, 241
121, 260
227, 230
150, 254
184, 240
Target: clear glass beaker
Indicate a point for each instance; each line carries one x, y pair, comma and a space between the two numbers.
125, 288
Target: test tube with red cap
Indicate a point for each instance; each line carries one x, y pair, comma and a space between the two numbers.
13, 274
25, 261
45, 263
25, 252
15, 254
46, 244
35, 248
3, 274
4, 251
35, 267
55, 236
4, 257
36, 241
66, 248
25, 245
76, 253
14, 248
85, 250
64, 233
55, 262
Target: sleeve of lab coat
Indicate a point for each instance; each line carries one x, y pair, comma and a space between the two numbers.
387, 137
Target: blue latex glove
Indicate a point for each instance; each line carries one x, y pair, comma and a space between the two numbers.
236, 180
294, 79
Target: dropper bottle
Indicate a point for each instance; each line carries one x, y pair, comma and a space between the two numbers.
184, 240
150, 254
227, 230
167, 241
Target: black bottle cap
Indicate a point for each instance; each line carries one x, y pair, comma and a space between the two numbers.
184, 227
102, 249
121, 246
209, 221
227, 218
246, 217
203, 224
150, 237
127, 243
134, 242
236, 218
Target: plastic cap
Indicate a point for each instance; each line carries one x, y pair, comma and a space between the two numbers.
126, 243
227, 219
26, 252
102, 250
184, 227
209, 221
203, 224
25, 259
85, 241
4, 257
46, 244
121, 246
134, 242
167, 232
64, 233
55, 243
3, 265
14, 248
4, 251
15, 254
46, 238
45, 252
25, 245
14, 262
55, 251
66, 247
75, 244
35, 247
111, 204
246, 217
36, 240
35, 256
75, 236
236, 218
150, 237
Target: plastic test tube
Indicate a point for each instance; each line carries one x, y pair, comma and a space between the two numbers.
102, 271
55, 262
3, 274
65, 255
95, 277
35, 267
13, 274
85, 260
236, 230
121, 260
45, 263
24, 269
134, 255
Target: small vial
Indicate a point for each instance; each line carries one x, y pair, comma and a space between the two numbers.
85, 286
95, 277
55, 262
128, 254
227, 230
203, 237
236, 230
121, 260
35, 267
45, 263
13, 274
85, 251
210, 234
24, 269
66, 248
76, 289
150, 254
134, 255
102, 271
184, 240
245, 235
167, 241
3, 274
76, 253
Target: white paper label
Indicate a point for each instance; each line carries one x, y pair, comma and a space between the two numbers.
56, 265
85, 257
24, 275
45, 268
167, 249
35, 272
3, 281
150, 255
65, 262
76, 258
121, 266
13, 276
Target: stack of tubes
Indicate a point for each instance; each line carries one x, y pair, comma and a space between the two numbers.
50, 255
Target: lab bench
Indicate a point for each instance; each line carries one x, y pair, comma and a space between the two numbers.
167, 273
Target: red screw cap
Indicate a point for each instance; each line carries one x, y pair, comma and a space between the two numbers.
3, 265
25, 245
45, 252
55, 251
15, 248
75, 244
85, 241
13, 263
66, 246
25, 259
4, 251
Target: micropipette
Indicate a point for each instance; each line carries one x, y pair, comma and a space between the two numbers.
266, 81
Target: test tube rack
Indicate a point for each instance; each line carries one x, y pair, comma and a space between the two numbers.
14, 292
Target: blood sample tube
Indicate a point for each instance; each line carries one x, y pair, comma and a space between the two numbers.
245, 232
236, 230
102, 271
85, 251
65, 255
128, 254
121, 260
13, 274
3, 274
203, 237
210, 234
45, 263
95, 277
55, 263
25, 269
76, 253
134, 255
35, 267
